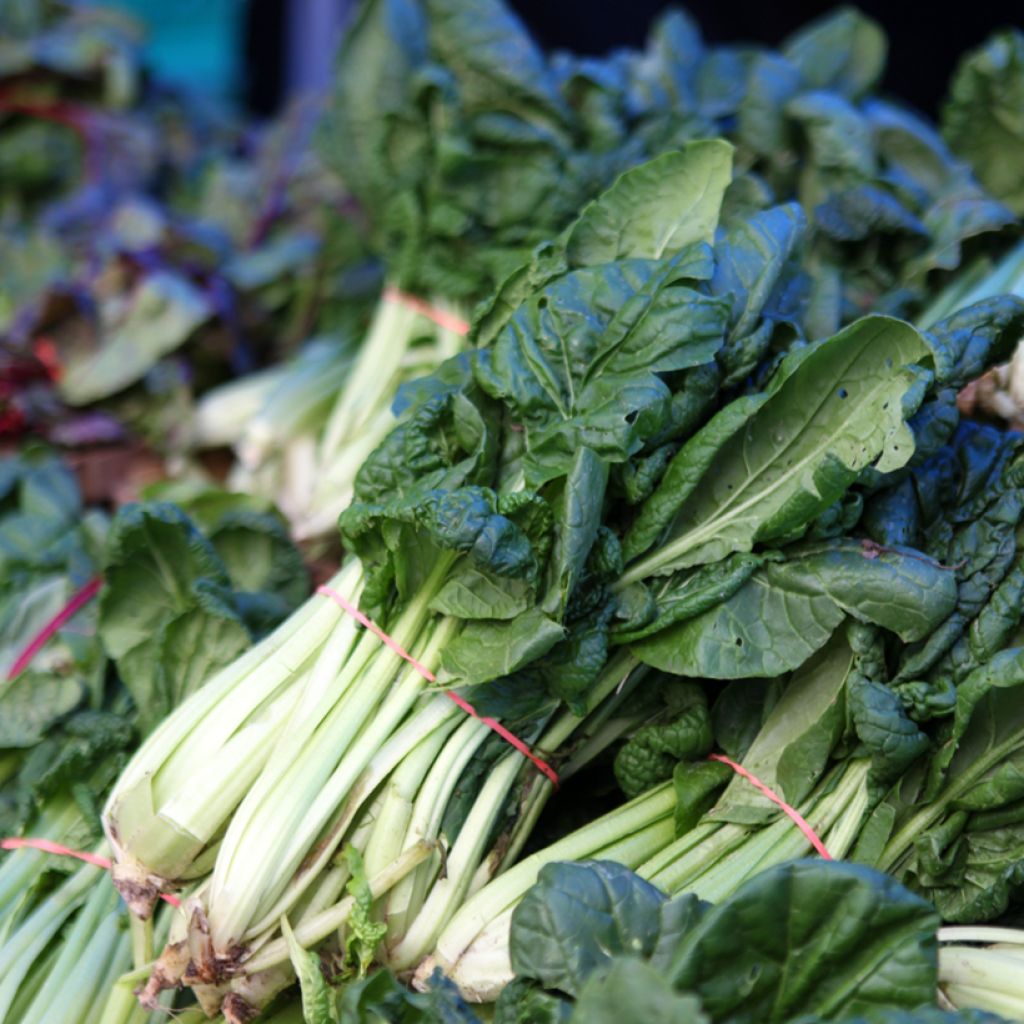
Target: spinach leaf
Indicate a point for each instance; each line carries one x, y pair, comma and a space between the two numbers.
772, 463
981, 119
862, 941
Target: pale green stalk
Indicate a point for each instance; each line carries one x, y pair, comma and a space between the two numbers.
460, 864
187, 778
361, 417
630, 834
975, 284
286, 812
223, 413
392, 827
348, 790
379, 358
782, 841
989, 977
298, 404
431, 801
122, 1005
316, 927
28, 942
20, 869
87, 951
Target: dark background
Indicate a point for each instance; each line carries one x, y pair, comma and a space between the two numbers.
925, 39
924, 42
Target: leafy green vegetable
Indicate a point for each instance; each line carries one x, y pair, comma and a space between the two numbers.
166, 611
318, 1004
982, 119
774, 461
598, 932
363, 932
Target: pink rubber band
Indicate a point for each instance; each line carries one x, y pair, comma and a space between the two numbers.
449, 321
791, 812
393, 645
48, 846
35, 645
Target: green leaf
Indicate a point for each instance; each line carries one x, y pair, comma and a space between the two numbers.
578, 361
471, 592
578, 521
486, 650
362, 933
651, 753
697, 785
688, 594
165, 310
750, 258
788, 609
523, 1002
34, 702
634, 990
794, 745
983, 119
166, 612
380, 997
655, 209
318, 1002
881, 724
782, 460
766, 628
810, 937
844, 51
577, 918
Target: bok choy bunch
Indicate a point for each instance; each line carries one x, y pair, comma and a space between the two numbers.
565, 489
467, 147
902, 756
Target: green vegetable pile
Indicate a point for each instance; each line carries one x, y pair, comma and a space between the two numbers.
673, 666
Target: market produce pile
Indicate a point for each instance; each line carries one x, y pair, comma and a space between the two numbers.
667, 662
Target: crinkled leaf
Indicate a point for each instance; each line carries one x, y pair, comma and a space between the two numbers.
577, 917
578, 362
780, 460
684, 734
860, 939
318, 1003
362, 933
634, 990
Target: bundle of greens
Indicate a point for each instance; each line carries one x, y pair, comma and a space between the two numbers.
597, 476
467, 147
901, 755
175, 601
593, 942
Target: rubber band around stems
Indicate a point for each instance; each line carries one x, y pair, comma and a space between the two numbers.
48, 846
791, 812
449, 321
393, 645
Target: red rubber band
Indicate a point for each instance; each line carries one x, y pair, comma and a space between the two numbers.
393, 645
791, 812
48, 846
35, 645
449, 321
